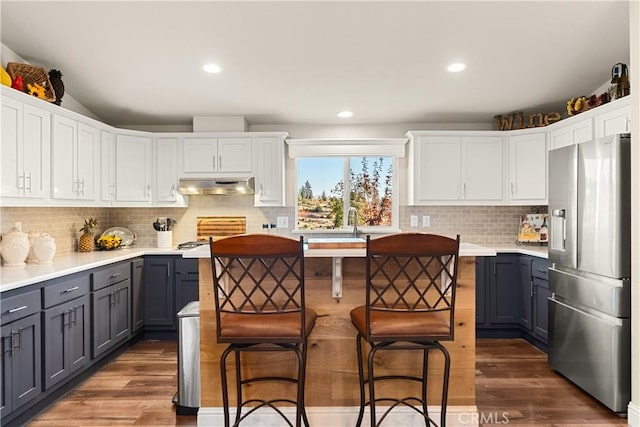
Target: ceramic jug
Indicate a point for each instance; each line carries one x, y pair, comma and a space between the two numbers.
44, 248
15, 248
33, 235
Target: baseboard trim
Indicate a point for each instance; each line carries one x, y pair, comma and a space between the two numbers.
633, 415
339, 416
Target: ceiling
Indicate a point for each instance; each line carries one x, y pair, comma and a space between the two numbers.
140, 63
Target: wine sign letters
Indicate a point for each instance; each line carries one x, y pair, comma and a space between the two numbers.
532, 121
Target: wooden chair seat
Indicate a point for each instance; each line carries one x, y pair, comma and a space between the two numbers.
267, 327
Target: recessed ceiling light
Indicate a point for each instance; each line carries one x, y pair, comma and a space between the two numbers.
345, 114
212, 68
457, 67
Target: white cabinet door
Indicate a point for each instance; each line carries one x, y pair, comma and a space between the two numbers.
528, 168
166, 171
482, 169
133, 169
573, 133
107, 167
200, 155
11, 148
87, 161
64, 180
234, 155
438, 169
269, 171
614, 121
37, 152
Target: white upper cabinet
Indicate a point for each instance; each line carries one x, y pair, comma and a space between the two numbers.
203, 156
269, 171
527, 168
26, 145
573, 133
107, 167
133, 170
453, 169
165, 172
74, 160
616, 118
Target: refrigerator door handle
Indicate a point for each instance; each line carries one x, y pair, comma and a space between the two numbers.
614, 321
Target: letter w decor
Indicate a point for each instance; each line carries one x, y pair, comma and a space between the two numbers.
533, 120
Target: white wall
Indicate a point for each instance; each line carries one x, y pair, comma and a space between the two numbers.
634, 68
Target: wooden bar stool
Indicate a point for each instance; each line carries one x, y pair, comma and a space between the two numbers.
260, 307
411, 281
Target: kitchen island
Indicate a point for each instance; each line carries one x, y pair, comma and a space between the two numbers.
332, 396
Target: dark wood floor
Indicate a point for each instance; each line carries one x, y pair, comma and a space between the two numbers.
514, 386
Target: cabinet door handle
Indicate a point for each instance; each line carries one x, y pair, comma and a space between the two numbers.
14, 310
513, 188
495, 270
16, 344
75, 288
464, 190
112, 189
20, 177
261, 190
75, 188
8, 348
29, 178
75, 315
173, 190
168, 269
113, 298
83, 186
531, 288
66, 315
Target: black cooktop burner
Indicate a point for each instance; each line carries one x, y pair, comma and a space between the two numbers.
190, 245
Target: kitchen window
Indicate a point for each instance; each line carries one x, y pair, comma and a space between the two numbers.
328, 186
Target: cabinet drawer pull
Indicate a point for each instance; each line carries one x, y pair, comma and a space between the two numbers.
75, 288
113, 276
13, 310
542, 271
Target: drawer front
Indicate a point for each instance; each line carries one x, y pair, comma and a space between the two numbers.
19, 306
65, 290
186, 265
111, 275
540, 268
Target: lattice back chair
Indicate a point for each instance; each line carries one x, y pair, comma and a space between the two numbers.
411, 281
260, 306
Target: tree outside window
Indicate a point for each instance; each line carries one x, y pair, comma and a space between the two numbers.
324, 181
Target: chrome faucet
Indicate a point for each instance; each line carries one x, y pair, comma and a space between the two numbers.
355, 220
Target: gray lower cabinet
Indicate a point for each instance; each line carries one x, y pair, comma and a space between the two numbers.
526, 293
66, 339
111, 307
159, 302
504, 291
137, 295
21, 362
66, 322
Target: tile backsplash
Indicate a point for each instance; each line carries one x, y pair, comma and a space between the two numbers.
476, 224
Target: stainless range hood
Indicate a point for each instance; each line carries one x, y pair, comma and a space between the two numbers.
217, 186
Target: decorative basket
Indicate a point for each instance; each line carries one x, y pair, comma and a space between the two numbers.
31, 75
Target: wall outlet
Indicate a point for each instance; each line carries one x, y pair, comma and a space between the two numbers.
414, 220
426, 221
282, 221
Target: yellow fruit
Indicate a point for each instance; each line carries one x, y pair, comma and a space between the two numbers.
5, 77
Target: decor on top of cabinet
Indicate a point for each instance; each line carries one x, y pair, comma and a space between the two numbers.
533, 229
55, 76
15, 248
32, 75
582, 103
5, 78
85, 243
523, 121
619, 81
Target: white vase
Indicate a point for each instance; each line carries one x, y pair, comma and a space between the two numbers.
33, 235
44, 249
15, 248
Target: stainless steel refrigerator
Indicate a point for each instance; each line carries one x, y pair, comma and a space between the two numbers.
590, 252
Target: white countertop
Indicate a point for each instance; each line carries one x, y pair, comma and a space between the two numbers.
466, 249
16, 277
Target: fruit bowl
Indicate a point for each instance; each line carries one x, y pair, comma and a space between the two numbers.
108, 243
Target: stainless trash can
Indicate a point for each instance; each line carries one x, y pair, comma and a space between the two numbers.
187, 399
